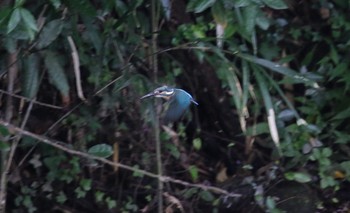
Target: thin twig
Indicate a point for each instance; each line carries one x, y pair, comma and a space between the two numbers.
110, 83
62, 117
30, 100
11, 155
40, 24
159, 162
76, 64
154, 65
12, 75
62, 146
78, 105
50, 129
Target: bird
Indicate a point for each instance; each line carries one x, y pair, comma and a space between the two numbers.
178, 101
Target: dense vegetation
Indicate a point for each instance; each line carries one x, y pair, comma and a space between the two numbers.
269, 134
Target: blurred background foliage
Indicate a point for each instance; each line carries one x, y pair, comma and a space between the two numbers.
270, 76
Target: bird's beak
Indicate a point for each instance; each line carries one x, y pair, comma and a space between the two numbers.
151, 94
193, 101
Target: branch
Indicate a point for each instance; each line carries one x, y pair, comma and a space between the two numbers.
30, 100
61, 145
12, 75
154, 65
4, 162
76, 64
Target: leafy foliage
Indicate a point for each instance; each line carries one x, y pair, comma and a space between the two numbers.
270, 77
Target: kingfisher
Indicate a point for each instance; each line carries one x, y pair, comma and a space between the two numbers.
178, 101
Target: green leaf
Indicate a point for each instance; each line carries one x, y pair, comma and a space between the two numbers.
56, 3
219, 13
56, 73
341, 137
339, 71
313, 129
282, 94
86, 184
326, 152
110, 203
334, 55
120, 6
101, 150
193, 172
207, 196
28, 19
276, 4
49, 33
4, 146
249, 16
174, 151
61, 197
99, 196
79, 192
270, 203
197, 143
342, 115
31, 76
258, 129
346, 167
19, 3
242, 3
327, 181
269, 108
137, 173
276, 68
4, 131
199, 6
234, 84
245, 85
14, 20
95, 39
84, 8
10, 44
262, 21
286, 115
190, 192
300, 177
4, 13
316, 154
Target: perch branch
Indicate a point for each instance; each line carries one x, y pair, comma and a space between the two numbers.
30, 100
61, 145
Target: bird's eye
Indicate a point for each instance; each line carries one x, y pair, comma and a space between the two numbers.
161, 91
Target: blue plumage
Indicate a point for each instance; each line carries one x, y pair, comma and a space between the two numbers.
178, 105
178, 102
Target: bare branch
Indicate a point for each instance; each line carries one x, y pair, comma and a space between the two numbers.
5, 162
76, 64
61, 145
30, 100
12, 75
